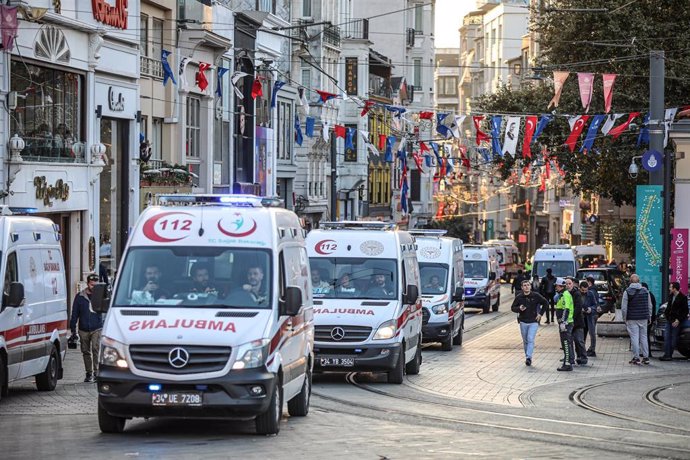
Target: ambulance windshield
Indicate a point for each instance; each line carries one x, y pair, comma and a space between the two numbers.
347, 278
195, 277
434, 278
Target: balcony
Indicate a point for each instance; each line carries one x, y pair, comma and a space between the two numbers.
379, 86
356, 29
151, 67
331, 36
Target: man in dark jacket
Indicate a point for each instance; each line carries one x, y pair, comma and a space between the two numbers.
529, 306
636, 309
578, 321
547, 288
90, 325
591, 310
676, 313
517, 282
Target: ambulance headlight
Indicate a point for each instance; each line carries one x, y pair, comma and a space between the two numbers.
112, 353
386, 330
440, 309
481, 290
252, 354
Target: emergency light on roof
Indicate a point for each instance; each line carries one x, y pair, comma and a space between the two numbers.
428, 232
16, 211
239, 201
358, 225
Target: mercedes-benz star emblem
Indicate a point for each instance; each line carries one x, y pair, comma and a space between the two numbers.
337, 334
178, 357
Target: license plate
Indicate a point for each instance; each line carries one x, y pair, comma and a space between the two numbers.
176, 399
342, 362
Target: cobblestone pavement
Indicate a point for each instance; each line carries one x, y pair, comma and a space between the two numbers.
478, 400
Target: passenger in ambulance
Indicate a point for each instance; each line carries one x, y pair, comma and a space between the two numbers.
252, 293
345, 288
151, 290
379, 288
201, 277
433, 285
318, 284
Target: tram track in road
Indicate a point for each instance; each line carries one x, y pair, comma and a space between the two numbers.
652, 396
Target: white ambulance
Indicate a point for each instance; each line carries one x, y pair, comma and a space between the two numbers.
33, 314
560, 258
211, 315
482, 289
442, 274
367, 309
509, 257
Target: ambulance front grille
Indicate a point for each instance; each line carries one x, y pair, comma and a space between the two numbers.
341, 333
160, 358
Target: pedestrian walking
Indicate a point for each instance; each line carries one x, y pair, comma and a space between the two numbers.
564, 316
529, 306
90, 325
591, 309
676, 313
652, 323
636, 309
578, 321
547, 288
517, 282
528, 266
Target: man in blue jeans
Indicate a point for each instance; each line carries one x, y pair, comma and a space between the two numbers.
676, 313
529, 306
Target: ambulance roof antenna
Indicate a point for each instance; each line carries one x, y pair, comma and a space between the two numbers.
201, 222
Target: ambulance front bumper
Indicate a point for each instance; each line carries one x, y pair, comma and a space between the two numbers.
352, 358
238, 394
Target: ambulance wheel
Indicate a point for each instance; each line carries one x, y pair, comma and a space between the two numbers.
457, 340
447, 345
299, 405
4, 386
47, 381
412, 368
396, 375
498, 303
269, 422
487, 306
109, 423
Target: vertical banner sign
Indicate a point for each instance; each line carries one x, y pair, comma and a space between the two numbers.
351, 76
679, 257
649, 243
489, 229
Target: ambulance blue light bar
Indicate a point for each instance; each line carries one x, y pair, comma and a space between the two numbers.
16, 211
428, 232
358, 225
238, 201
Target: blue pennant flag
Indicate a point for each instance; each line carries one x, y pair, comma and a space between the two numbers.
643, 137
276, 87
434, 147
484, 153
543, 121
309, 129
449, 167
298, 131
597, 120
142, 138
427, 160
403, 196
219, 82
496, 121
398, 111
388, 158
440, 127
349, 136
167, 71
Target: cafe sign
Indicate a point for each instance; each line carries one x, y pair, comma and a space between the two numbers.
115, 16
48, 192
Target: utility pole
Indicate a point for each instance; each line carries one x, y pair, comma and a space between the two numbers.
334, 180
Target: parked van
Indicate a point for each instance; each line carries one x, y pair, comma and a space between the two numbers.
509, 257
33, 315
590, 255
211, 315
482, 289
367, 309
560, 258
442, 273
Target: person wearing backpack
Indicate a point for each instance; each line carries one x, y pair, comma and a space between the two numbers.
636, 309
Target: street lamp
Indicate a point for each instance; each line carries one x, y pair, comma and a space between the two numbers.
97, 152
17, 144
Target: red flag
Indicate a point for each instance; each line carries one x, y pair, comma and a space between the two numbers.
382, 141
326, 96
257, 89
530, 125
423, 147
201, 80
684, 111
618, 130
417, 160
578, 126
542, 187
367, 107
426, 115
339, 131
463, 157
442, 164
439, 212
481, 136
608, 78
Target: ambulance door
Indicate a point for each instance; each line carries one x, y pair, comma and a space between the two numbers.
31, 275
12, 321
295, 274
414, 323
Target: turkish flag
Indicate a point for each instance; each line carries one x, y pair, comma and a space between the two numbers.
426, 115
257, 89
481, 136
575, 132
367, 107
618, 130
530, 125
325, 95
339, 131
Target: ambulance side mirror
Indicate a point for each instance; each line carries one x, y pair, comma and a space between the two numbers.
291, 303
15, 297
99, 298
411, 294
458, 294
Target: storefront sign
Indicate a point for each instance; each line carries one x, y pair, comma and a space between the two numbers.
351, 76
679, 257
46, 192
116, 101
115, 16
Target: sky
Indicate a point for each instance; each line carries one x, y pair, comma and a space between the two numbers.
449, 14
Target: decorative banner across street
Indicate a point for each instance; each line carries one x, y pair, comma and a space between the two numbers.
649, 245
679, 257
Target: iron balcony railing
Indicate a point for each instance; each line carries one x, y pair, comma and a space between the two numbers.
356, 29
331, 36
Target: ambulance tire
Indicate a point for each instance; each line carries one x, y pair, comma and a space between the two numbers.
487, 306
110, 423
47, 380
413, 366
447, 345
498, 303
299, 405
4, 386
398, 373
457, 340
269, 422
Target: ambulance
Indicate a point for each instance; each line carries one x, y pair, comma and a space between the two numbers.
367, 309
482, 289
509, 257
211, 315
560, 258
33, 314
442, 274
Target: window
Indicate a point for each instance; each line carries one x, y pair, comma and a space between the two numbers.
156, 38
285, 130
193, 127
157, 139
448, 86
418, 19
144, 35
354, 277
306, 78
306, 8
267, 6
11, 276
417, 66
144, 127
49, 111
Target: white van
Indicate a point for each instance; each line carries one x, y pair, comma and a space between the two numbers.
442, 273
560, 258
482, 289
510, 260
33, 315
211, 315
367, 309
590, 255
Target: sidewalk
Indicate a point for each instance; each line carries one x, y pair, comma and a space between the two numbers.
491, 368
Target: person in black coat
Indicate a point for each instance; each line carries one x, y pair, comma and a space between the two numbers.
90, 326
529, 306
578, 321
676, 313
